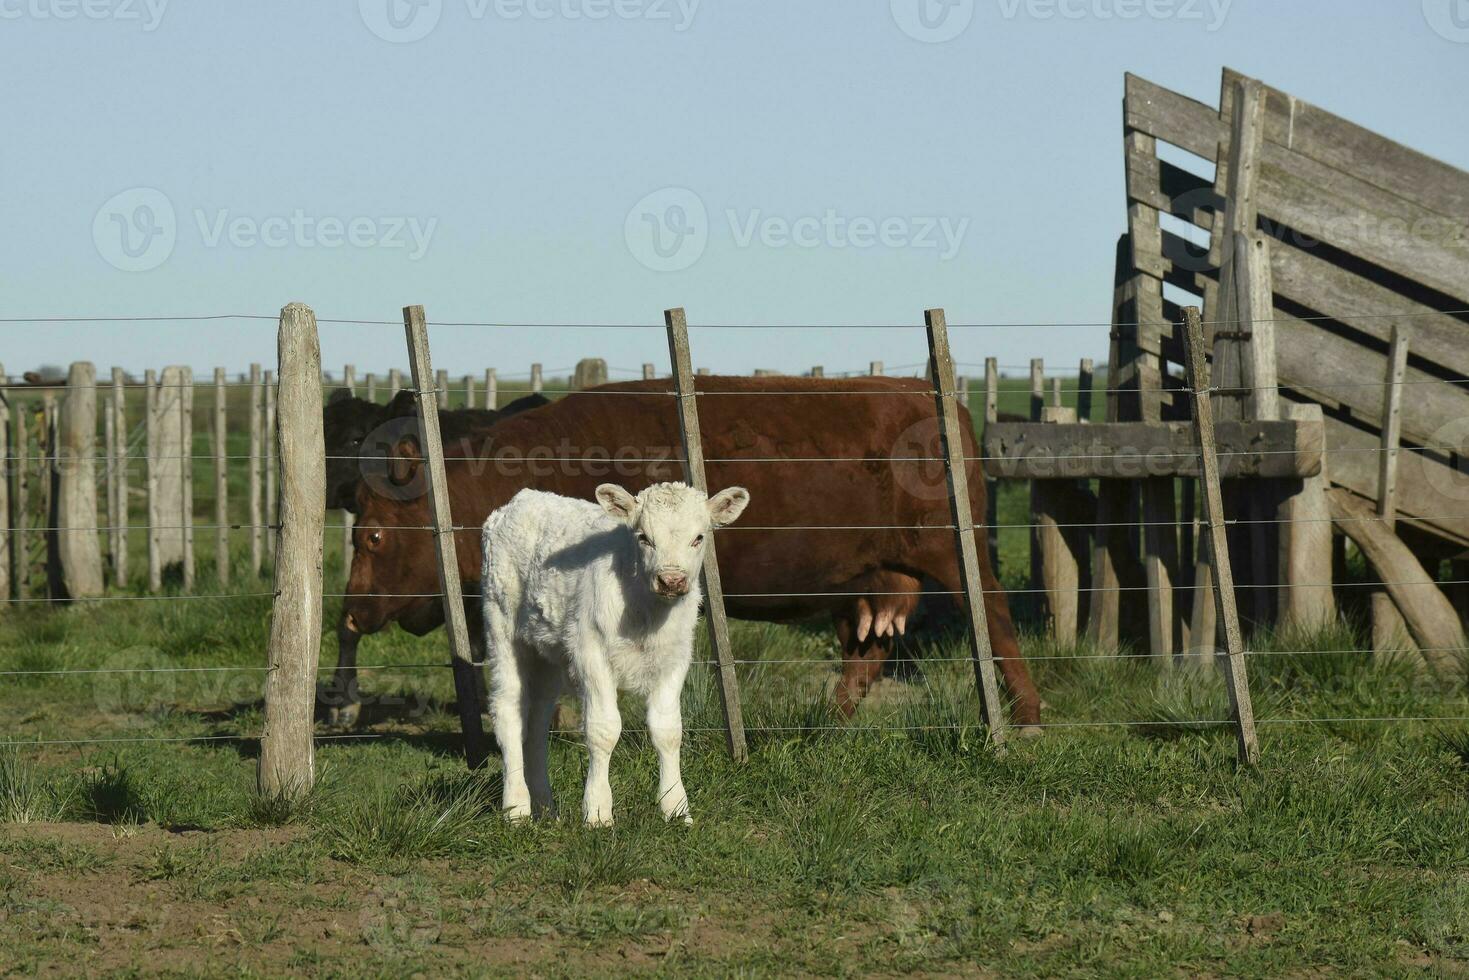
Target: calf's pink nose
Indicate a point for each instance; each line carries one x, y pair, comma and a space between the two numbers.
673, 582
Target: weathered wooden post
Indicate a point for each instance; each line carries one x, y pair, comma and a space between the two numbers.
221, 478
1389, 629
492, 389
466, 688
371, 382
349, 379
963, 381
186, 473
714, 616
469, 391
649, 371
8, 466
395, 382
992, 487
817, 371
123, 467
287, 753
1060, 570
1236, 679
272, 499
1037, 410
256, 500
154, 475
536, 383
589, 372
1085, 381
20, 569
109, 468
75, 502
168, 518
1305, 544
874, 368
941, 364
441, 388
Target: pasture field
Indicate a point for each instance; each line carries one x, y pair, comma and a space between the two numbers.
898, 842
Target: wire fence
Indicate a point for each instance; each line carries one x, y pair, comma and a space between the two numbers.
771, 387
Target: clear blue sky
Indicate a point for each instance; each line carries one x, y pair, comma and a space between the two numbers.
520, 138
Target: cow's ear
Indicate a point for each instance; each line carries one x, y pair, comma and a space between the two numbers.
726, 506
338, 396
404, 461
401, 405
617, 502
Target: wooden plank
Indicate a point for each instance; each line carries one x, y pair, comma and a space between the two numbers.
1308, 279
287, 766
1429, 493
1397, 365
466, 687
1186, 123
221, 478
78, 547
1236, 678
1430, 616
1343, 145
942, 364
1137, 450
681, 359
1305, 544
1334, 371
256, 471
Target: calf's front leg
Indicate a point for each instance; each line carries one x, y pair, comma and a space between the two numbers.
665, 729
603, 727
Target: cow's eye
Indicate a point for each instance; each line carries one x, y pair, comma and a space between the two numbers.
375, 538
645, 541
698, 541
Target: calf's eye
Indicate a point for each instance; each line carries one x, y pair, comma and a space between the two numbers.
698, 541
643, 540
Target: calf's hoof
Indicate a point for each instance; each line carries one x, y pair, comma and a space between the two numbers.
1030, 731
345, 716
597, 817
517, 812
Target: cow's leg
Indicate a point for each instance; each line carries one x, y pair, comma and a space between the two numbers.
506, 697
343, 702
1025, 708
665, 729
538, 702
603, 727
474, 623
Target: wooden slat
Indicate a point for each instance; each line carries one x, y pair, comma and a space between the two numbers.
1392, 429
1132, 450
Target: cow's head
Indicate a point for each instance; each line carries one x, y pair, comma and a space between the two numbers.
671, 524
346, 424
394, 568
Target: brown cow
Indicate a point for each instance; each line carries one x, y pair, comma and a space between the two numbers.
827, 452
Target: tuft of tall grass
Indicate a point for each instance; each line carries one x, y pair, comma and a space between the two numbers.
432, 818
26, 796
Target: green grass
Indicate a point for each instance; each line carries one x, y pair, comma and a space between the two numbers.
897, 842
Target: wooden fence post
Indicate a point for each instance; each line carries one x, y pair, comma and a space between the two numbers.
287, 753
75, 510
1060, 565
649, 372
272, 498
469, 391
992, 487
1389, 628
109, 467
7, 467
371, 383
1037, 410
221, 477
186, 473
817, 371
1236, 678
466, 687
874, 368
441, 388
257, 511
492, 389
941, 365
589, 372
20, 574
154, 465
714, 615
395, 382
1085, 381
123, 466
349, 379
1305, 544
536, 382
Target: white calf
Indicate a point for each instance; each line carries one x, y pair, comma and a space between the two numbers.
600, 598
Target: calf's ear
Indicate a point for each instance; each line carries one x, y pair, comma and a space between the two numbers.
402, 405
338, 396
726, 506
617, 502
